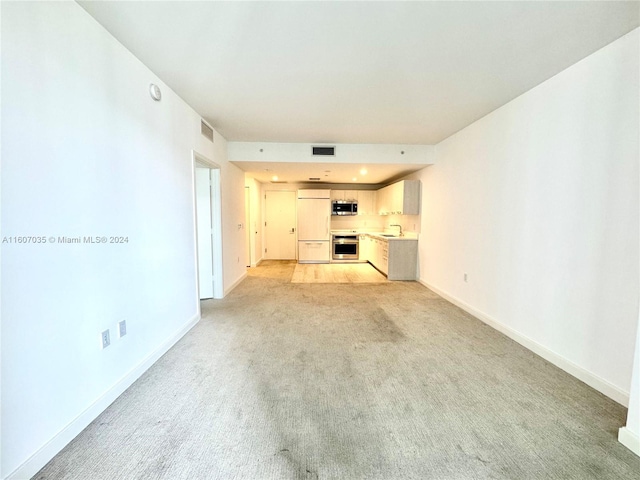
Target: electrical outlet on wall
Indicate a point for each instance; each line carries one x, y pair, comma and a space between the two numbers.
106, 340
465, 277
122, 328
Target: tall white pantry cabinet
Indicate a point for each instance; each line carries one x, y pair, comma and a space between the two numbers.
314, 223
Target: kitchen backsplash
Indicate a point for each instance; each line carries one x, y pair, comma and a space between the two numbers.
410, 223
356, 222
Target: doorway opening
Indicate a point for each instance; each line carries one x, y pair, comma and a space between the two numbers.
208, 227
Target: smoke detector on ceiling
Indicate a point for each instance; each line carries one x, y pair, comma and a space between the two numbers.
155, 92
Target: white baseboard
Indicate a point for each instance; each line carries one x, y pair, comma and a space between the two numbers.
568, 366
235, 284
39, 459
629, 440
253, 265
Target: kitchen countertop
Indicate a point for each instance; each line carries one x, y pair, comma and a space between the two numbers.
381, 235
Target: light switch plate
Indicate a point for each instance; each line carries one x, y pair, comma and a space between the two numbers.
122, 328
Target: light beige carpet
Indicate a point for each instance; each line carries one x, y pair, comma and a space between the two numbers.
376, 381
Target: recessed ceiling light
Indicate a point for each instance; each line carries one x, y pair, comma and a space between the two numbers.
354, 179
274, 178
363, 171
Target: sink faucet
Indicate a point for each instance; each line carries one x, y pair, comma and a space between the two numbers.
399, 226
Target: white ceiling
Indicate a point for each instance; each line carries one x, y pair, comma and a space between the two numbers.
336, 173
357, 72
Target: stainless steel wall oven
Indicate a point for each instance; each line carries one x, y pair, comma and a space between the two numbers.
345, 246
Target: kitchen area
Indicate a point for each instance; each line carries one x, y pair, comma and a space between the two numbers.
361, 226
329, 204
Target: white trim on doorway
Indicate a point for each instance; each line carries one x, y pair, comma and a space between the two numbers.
199, 160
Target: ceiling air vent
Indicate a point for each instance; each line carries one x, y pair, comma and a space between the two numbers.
323, 151
206, 130
314, 179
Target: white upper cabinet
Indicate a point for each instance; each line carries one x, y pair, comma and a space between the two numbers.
400, 198
367, 202
383, 205
349, 195
337, 195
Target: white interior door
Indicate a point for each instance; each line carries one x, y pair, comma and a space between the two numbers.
204, 231
280, 228
248, 228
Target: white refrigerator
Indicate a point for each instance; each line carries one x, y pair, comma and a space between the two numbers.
314, 223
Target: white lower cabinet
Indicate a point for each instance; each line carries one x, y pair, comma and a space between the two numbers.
379, 257
384, 257
310, 251
363, 248
397, 259
375, 252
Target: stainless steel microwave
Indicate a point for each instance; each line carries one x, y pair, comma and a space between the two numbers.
344, 207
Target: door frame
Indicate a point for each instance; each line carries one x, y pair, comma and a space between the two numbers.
250, 260
201, 161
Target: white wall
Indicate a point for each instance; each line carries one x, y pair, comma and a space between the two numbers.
255, 198
345, 153
233, 221
86, 152
538, 203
